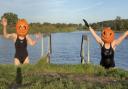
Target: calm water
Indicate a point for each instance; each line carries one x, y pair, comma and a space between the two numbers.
65, 50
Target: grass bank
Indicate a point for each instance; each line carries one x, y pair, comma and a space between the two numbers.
51, 76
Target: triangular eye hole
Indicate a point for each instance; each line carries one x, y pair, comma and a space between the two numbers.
104, 33
25, 27
110, 34
20, 27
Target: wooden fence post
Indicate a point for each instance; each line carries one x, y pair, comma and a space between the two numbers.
84, 38
49, 48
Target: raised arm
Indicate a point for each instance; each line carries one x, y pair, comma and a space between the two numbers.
98, 38
6, 35
120, 39
32, 42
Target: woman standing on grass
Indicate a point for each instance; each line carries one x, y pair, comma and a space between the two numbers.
21, 39
108, 45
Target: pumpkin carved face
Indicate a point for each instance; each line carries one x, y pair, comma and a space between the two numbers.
22, 27
107, 35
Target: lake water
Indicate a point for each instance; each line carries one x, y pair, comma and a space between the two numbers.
65, 50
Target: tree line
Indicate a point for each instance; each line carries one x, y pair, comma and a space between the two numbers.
39, 27
118, 24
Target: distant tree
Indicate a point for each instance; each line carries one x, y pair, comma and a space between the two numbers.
95, 25
118, 23
118, 18
80, 25
11, 17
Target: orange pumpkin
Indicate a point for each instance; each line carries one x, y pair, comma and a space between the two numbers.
22, 27
107, 35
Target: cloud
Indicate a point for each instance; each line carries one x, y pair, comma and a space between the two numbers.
56, 2
89, 7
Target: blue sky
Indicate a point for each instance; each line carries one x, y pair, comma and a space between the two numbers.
66, 11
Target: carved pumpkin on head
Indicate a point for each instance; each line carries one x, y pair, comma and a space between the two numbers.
22, 27
107, 35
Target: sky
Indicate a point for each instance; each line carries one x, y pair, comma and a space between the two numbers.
66, 11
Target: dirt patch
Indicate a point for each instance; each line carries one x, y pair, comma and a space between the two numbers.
76, 77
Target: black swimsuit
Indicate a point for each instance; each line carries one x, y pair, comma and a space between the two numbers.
21, 49
107, 57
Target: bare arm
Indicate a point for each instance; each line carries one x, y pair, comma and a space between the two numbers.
31, 41
98, 38
6, 35
120, 39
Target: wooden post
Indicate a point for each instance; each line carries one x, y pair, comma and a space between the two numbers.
88, 52
82, 51
49, 48
50, 44
84, 38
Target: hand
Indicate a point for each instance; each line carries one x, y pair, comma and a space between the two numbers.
38, 36
4, 22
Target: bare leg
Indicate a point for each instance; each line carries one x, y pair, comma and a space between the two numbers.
26, 61
16, 61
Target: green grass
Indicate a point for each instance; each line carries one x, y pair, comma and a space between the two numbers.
52, 76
